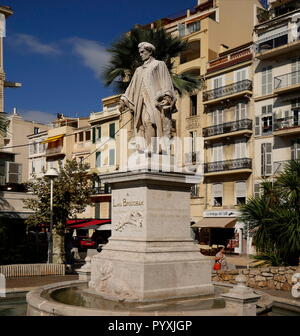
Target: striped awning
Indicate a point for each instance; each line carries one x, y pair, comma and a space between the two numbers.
87, 223
54, 138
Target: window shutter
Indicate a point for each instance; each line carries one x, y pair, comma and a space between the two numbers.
111, 157
13, 172
257, 125
240, 189
98, 159
217, 190
181, 29
256, 190
268, 159
112, 130
99, 135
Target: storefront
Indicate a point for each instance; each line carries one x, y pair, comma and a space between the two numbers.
223, 228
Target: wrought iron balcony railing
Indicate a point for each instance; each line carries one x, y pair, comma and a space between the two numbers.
227, 90
220, 166
286, 80
239, 125
286, 123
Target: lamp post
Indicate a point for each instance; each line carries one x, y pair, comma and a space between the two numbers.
52, 174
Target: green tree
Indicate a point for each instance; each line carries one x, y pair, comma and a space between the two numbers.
125, 58
274, 217
71, 194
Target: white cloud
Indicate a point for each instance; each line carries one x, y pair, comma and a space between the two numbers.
31, 44
93, 54
39, 116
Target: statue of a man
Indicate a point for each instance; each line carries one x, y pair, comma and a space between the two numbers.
151, 96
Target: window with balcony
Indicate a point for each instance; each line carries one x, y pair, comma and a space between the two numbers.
240, 149
241, 111
217, 152
267, 80
193, 105
191, 53
266, 159
240, 75
217, 117
295, 75
217, 194
240, 192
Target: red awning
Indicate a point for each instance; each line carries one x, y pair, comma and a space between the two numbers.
86, 223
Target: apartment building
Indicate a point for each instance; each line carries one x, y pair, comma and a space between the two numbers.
276, 89
105, 152
228, 145
60, 142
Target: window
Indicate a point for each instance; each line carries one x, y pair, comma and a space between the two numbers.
267, 80
88, 135
295, 71
267, 125
240, 149
217, 152
241, 111
97, 210
36, 130
266, 159
217, 117
193, 27
296, 149
98, 159
267, 109
240, 75
99, 133
256, 190
195, 190
32, 167
193, 105
111, 157
240, 192
112, 130
217, 82
257, 126
181, 29
217, 192
80, 137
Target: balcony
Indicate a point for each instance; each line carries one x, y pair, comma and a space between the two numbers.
277, 44
287, 83
102, 191
54, 151
221, 130
287, 126
234, 90
228, 167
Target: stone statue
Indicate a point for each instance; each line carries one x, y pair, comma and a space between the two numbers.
151, 97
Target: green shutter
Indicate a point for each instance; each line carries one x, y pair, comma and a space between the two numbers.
112, 131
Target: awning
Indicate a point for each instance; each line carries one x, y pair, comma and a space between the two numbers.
86, 223
54, 138
216, 222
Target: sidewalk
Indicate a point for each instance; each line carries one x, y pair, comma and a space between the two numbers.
27, 283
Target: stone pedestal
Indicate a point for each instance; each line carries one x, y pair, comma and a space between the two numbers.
150, 255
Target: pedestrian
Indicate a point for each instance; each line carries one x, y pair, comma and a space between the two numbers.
220, 260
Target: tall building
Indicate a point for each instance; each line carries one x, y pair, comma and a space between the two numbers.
276, 89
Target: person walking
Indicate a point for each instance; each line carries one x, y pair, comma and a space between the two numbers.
220, 260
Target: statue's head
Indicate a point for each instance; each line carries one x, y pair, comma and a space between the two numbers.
146, 50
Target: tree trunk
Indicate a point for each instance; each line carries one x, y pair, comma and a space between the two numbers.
58, 248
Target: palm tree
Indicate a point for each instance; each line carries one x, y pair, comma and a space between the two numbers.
125, 59
274, 216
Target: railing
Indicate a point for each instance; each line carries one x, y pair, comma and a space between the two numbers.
276, 40
54, 150
227, 90
217, 166
286, 80
288, 122
235, 55
32, 270
103, 190
239, 125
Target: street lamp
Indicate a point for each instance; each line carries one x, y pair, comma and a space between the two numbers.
52, 174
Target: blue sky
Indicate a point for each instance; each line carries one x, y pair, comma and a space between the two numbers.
56, 49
